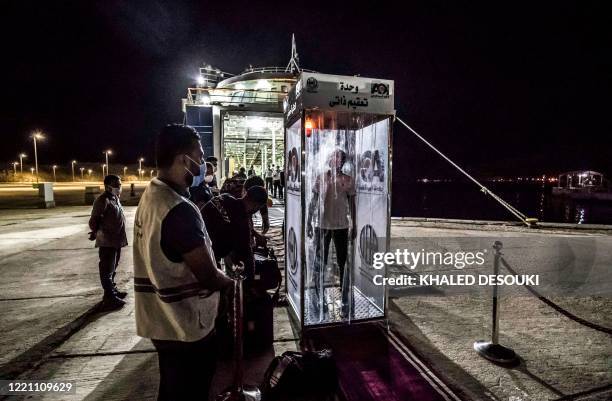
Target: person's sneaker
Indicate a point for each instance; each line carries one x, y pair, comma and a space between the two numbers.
112, 303
120, 294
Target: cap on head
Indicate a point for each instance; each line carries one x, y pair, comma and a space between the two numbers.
257, 194
253, 181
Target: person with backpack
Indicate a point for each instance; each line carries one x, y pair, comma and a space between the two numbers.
229, 222
200, 191
107, 224
265, 219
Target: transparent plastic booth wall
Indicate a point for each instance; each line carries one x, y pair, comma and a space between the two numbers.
338, 198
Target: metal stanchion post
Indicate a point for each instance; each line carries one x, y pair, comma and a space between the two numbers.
239, 391
492, 350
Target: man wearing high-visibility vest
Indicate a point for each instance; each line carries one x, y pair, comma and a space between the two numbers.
176, 282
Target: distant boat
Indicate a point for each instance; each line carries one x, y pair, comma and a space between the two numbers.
587, 185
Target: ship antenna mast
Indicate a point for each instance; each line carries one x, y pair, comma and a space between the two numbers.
294, 60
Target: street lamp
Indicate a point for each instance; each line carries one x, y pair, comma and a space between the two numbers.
54, 178
103, 167
15, 168
72, 165
152, 173
140, 167
89, 173
124, 172
107, 152
21, 156
32, 170
36, 135
82, 169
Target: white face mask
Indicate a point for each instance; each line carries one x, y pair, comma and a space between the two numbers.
208, 179
197, 179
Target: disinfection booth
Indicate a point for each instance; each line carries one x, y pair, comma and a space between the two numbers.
338, 178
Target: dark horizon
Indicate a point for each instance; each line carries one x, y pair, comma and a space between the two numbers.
517, 90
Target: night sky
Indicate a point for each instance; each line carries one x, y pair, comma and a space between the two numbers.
503, 89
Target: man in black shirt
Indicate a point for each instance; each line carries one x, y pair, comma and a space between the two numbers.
229, 224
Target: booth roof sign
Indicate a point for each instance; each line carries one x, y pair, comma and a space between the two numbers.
340, 93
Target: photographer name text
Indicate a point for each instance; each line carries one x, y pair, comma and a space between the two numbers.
458, 280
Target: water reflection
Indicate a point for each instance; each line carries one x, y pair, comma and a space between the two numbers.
464, 201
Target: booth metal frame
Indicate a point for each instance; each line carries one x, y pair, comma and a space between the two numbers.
299, 321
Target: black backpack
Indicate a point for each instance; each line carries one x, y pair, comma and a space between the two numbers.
218, 225
299, 374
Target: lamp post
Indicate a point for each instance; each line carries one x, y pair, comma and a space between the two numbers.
15, 168
124, 172
72, 165
151, 174
21, 156
140, 168
32, 170
36, 135
89, 173
82, 169
107, 152
103, 167
54, 178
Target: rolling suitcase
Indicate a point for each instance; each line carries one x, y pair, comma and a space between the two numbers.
267, 274
258, 320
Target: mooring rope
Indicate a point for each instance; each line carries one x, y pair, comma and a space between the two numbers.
521, 216
558, 308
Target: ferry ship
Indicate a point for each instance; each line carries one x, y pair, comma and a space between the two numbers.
240, 117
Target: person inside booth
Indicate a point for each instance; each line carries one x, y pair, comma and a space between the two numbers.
331, 216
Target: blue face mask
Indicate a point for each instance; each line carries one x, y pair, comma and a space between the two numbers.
197, 179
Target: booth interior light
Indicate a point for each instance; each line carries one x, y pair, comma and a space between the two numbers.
308, 126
